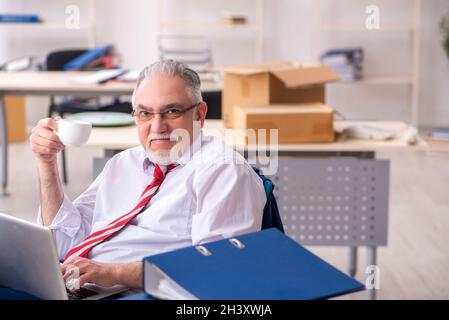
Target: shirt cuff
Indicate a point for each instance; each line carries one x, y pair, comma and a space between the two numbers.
67, 219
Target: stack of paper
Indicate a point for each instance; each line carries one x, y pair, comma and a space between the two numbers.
440, 134
18, 64
348, 63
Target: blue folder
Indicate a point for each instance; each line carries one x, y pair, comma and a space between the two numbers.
80, 61
265, 265
19, 18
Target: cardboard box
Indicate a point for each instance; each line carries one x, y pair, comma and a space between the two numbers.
304, 123
272, 83
15, 117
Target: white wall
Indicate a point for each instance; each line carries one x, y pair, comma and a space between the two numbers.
131, 25
434, 93
288, 34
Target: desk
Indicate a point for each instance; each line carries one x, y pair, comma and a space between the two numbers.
126, 137
120, 138
55, 83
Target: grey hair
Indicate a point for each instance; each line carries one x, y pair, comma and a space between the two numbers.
175, 69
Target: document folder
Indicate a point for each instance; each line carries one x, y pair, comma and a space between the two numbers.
264, 265
81, 61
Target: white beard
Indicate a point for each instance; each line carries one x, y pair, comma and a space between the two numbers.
166, 157
161, 158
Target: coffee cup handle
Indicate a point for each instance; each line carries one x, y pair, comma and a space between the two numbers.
57, 119
57, 133
56, 130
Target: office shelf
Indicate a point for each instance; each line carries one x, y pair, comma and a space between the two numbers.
207, 27
410, 29
359, 28
85, 26
380, 80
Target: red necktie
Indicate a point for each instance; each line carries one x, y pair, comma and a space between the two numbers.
83, 249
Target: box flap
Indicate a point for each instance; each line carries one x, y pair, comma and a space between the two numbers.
291, 74
287, 108
301, 75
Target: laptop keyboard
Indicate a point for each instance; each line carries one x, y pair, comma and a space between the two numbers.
80, 294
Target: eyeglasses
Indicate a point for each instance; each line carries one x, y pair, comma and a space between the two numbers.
170, 114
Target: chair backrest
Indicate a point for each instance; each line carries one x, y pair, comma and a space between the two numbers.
57, 59
213, 100
271, 217
334, 201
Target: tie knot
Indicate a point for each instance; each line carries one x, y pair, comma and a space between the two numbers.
161, 171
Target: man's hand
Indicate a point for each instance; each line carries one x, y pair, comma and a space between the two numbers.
44, 142
103, 274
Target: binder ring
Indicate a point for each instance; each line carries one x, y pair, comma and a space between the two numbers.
203, 251
237, 243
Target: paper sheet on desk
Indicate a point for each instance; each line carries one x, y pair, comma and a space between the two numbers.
98, 77
129, 76
133, 75
368, 133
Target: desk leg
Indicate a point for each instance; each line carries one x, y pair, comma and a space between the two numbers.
4, 146
371, 260
352, 268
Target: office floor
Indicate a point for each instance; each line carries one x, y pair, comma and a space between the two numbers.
414, 265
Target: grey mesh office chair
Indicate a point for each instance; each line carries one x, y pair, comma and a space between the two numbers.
335, 202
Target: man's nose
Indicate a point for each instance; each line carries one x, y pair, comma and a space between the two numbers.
158, 124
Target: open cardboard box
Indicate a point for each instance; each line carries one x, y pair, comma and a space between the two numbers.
272, 83
303, 123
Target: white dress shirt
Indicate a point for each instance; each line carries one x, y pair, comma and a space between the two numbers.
211, 195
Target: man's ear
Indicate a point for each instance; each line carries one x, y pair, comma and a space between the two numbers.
202, 111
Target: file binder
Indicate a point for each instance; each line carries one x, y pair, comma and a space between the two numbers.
264, 265
19, 18
81, 61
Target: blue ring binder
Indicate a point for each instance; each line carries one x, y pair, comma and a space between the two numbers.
269, 266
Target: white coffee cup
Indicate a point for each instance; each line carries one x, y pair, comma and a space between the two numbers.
73, 133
